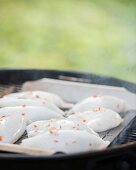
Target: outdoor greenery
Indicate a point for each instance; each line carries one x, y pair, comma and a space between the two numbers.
88, 35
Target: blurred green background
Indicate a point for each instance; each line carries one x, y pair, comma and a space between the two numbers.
88, 35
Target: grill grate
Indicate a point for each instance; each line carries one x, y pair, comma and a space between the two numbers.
127, 135
7, 89
131, 136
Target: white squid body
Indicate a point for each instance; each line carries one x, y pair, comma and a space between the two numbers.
11, 128
98, 119
41, 95
67, 141
110, 102
40, 127
11, 102
30, 113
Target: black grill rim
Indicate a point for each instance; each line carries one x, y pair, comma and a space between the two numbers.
41, 73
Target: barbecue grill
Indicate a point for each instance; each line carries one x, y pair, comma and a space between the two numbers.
120, 155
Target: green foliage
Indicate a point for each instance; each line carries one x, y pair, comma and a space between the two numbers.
90, 35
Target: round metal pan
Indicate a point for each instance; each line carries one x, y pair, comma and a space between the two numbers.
115, 157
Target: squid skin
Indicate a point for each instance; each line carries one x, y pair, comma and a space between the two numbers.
40, 127
67, 141
11, 102
98, 119
31, 113
11, 128
41, 95
110, 102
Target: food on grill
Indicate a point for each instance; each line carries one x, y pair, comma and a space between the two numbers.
40, 127
98, 119
11, 102
41, 95
11, 128
49, 128
67, 141
110, 102
30, 113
